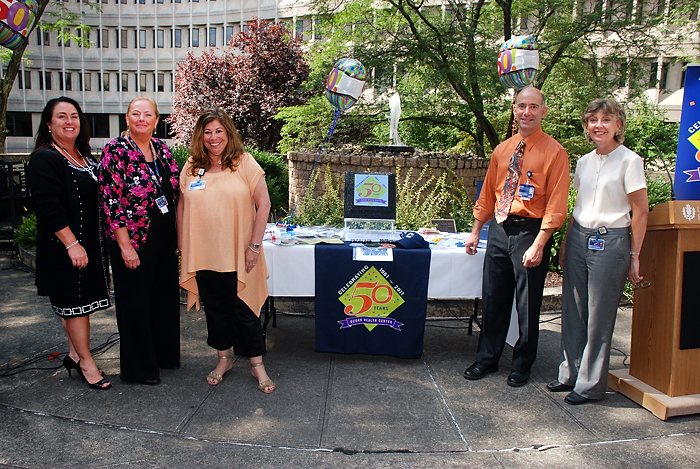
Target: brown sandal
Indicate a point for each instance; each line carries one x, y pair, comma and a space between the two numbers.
268, 383
216, 376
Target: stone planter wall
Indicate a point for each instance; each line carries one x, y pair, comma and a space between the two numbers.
467, 169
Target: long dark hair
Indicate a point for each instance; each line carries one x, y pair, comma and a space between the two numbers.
199, 156
43, 136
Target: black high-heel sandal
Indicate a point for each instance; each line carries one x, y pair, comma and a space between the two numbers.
70, 364
98, 385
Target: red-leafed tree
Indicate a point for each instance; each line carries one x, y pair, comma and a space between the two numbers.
251, 79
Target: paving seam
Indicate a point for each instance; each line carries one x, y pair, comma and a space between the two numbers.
178, 435
444, 403
329, 381
184, 423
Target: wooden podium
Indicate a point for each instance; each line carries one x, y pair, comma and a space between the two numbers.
665, 351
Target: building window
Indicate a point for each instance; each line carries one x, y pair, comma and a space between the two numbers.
161, 82
125, 82
653, 68
24, 80
99, 125
87, 79
19, 124
300, 29
160, 38
212, 37
124, 43
123, 2
172, 88
103, 82
142, 81
317, 29
105, 38
229, 34
60, 81
195, 37
80, 81
178, 38
142, 38
69, 82
159, 1
664, 76
47, 80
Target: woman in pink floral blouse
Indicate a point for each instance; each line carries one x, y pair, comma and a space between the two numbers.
139, 186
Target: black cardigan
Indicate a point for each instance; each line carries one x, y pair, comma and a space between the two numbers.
59, 198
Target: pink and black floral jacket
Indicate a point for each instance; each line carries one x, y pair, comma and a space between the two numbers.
127, 190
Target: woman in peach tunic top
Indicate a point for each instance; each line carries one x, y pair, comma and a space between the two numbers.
220, 236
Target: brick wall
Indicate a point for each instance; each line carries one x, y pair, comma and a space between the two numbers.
468, 169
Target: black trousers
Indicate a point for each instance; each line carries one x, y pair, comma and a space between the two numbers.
147, 301
230, 322
504, 276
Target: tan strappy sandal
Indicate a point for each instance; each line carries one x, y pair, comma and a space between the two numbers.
268, 383
216, 377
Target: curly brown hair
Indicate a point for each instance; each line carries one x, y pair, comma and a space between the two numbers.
199, 157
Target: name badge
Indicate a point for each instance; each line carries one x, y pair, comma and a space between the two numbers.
162, 203
197, 185
526, 191
596, 244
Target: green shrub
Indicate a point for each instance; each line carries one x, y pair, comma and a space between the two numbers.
560, 234
419, 202
25, 234
180, 153
324, 210
277, 179
658, 190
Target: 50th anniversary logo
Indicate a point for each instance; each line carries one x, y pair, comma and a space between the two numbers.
369, 298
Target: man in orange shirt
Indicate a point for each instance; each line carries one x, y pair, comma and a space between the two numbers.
526, 190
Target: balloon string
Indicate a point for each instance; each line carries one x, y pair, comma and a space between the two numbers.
331, 131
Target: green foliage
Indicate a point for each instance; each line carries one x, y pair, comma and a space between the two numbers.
277, 179
560, 234
180, 153
325, 210
461, 207
645, 120
658, 191
25, 234
420, 200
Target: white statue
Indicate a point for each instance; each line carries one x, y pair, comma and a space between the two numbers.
395, 113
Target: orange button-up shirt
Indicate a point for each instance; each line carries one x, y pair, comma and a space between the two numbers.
549, 164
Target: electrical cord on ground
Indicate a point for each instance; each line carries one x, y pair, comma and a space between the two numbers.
25, 365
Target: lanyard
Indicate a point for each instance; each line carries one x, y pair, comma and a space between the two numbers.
155, 176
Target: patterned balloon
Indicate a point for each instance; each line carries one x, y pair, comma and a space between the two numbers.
345, 83
518, 62
17, 17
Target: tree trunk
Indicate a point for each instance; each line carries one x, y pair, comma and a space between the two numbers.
9, 75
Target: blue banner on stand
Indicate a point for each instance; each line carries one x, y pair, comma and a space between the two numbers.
687, 180
373, 307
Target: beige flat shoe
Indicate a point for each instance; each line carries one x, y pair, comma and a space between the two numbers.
267, 384
216, 377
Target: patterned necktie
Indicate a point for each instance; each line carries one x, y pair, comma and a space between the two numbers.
516, 162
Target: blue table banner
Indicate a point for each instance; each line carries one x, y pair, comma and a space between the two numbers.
371, 307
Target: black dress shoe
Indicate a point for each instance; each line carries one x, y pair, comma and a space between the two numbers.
479, 370
575, 398
150, 382
518, 378
556, 386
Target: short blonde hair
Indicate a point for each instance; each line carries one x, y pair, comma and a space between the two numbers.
144, 98
609, 107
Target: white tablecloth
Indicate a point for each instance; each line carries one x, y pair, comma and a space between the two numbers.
454, 274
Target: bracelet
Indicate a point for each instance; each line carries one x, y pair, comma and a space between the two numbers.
251, 248
68, 247
632, 253
254, 246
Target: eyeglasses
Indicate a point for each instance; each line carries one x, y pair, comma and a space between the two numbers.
643, 284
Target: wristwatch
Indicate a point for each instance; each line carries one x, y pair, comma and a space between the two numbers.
254, 246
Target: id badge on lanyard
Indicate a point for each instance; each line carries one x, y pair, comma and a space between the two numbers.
526, 191
198, 185
597, 244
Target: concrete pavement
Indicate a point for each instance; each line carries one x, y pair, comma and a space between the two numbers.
329, 410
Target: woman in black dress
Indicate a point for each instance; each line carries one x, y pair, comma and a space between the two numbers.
71, 266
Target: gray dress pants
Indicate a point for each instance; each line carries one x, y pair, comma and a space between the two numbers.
593, 285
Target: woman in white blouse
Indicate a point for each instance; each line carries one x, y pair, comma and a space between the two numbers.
600, 251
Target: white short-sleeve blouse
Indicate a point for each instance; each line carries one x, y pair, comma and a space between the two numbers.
603, 182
